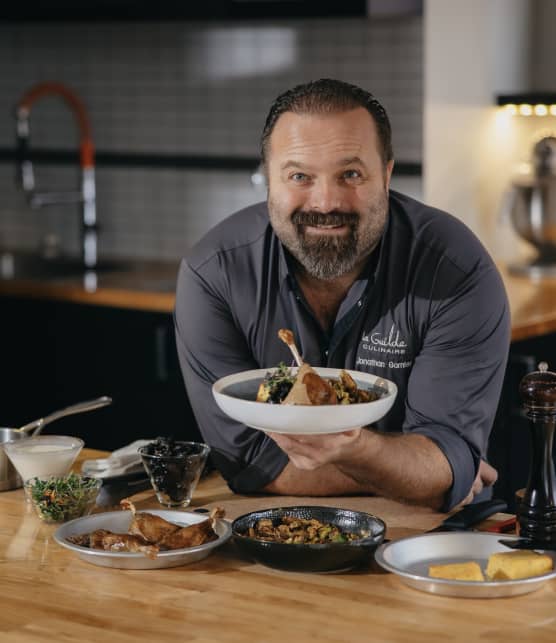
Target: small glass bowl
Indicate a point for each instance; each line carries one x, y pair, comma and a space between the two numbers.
61, 498
175, 477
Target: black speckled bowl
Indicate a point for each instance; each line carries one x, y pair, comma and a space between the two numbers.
312, 558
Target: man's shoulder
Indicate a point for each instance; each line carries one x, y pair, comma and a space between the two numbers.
240, 234
434, 230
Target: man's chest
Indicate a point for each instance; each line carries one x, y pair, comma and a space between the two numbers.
386, 346
371, 338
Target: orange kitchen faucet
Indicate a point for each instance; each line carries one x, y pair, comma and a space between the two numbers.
87, 195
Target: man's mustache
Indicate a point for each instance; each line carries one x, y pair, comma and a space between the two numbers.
315, 218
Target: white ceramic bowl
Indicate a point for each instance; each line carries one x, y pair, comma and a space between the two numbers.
43, 456
236, 395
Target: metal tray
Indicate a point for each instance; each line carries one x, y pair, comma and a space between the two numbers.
410, 558
118, 521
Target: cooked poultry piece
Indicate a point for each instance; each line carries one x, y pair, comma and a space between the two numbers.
307, 387
152, 528
193, 535
109, 541
177, 538
286, 336
347, 391
83, 540
310, 388
102, 539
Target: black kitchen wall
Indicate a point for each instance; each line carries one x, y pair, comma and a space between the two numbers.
183, 88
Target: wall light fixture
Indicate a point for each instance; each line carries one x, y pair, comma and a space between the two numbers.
528, 103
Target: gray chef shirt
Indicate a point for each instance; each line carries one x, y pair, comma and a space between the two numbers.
430, 313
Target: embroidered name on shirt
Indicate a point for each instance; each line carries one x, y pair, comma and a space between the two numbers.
361, 361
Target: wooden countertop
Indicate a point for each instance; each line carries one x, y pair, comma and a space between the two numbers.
150, 286
532, 304
49, 594
143, 285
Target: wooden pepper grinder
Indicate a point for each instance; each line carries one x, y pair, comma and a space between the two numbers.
536, 513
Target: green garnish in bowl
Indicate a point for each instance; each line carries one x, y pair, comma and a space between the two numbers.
277, 384
59, 499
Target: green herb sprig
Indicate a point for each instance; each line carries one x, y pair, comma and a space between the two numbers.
64, 498
279, 374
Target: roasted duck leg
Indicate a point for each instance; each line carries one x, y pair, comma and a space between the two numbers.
152, 528
176, 538
287, 337
109, 541
193, 535
310, 388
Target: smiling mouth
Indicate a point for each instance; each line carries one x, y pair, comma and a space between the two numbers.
330, 225
321, 227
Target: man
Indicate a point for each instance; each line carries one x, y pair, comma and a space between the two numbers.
366, 279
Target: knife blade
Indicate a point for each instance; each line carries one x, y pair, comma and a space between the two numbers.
471, 515
525, 543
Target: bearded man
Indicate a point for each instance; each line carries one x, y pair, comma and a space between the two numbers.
367, 279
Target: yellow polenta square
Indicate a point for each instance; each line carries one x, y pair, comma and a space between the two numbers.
457, 571
511, 565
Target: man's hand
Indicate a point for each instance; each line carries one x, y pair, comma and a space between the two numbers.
309, 452
405, 467
486, 477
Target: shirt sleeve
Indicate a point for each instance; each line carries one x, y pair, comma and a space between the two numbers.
455, 383
210, 345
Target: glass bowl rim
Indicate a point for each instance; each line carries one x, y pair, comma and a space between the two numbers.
15, 445
204, 450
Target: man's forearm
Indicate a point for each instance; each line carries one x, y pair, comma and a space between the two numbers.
400, 466
327, 480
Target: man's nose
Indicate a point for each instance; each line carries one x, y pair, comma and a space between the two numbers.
326, 196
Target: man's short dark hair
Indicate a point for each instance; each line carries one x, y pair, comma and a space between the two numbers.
328, 96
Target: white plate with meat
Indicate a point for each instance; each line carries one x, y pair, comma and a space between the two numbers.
114, 530
236, 395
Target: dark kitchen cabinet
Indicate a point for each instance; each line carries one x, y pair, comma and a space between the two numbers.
57, 353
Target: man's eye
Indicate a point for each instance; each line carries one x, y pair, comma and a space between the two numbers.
298, 177
352, 174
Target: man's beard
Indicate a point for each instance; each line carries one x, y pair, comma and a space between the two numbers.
330, 256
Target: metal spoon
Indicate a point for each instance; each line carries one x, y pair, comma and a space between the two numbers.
81, 407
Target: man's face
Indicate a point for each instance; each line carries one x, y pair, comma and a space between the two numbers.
327, 189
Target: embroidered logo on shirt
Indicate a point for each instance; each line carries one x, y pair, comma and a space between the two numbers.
390, 343
388, 347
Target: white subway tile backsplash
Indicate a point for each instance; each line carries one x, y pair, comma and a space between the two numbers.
183, 88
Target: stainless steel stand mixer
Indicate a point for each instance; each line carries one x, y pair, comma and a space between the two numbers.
533, 211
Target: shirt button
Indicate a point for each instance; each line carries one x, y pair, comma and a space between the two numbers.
359, 303
326, 353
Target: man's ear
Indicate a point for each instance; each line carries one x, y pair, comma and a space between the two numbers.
388, 173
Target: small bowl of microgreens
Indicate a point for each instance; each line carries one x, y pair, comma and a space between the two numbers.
63, 498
